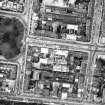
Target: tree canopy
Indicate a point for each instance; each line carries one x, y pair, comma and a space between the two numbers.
11, 34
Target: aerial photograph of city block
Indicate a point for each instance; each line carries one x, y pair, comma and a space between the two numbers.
52, 52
